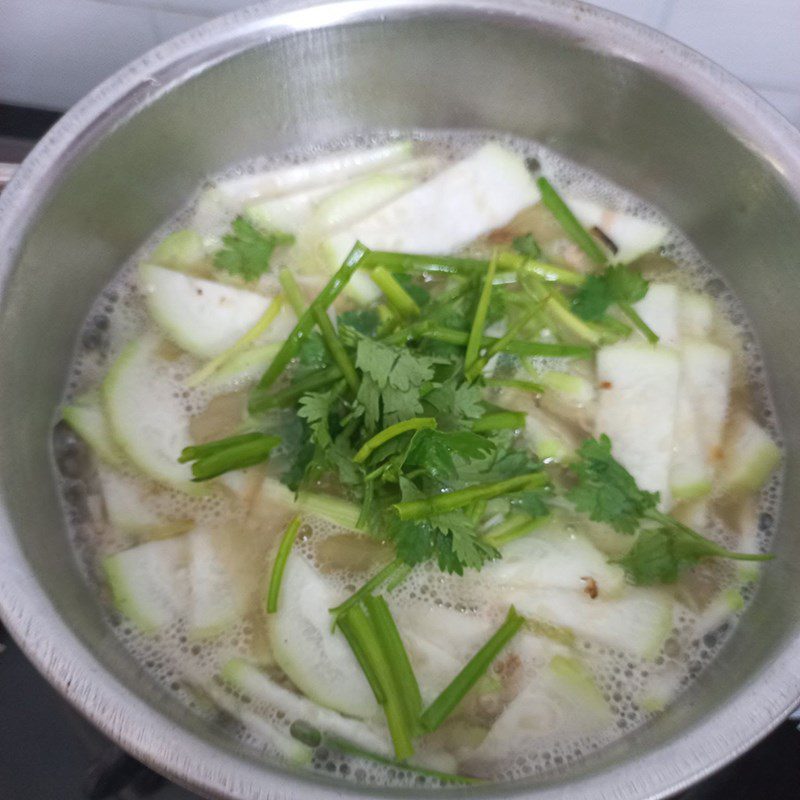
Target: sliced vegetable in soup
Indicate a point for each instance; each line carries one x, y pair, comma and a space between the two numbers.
425, 462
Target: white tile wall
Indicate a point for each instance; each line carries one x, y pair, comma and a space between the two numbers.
53, 51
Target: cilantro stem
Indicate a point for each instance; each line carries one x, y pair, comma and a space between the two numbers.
517, 347
416, 262
397, 658
499, 421
329, 507
224, 455
399, 299
399, 576
261, 400
450, 501
368, 640
547, 272
504, 341
569, 222
329, 336
306, 322
399, 428
244, 341
285, 547
374, 582
446, 702
504, 534
630, 312
714, 548
514, 383
312, 737
558, 308
292, 291
479, 320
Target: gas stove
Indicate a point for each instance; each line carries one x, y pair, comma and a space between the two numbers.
49, 752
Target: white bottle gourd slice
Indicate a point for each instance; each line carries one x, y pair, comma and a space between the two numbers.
274, 736
125, 500
637, 404
554, 558
464, 201
637, 622
87, 417
702, 409
318, 660
216, 599
243, 369
218, 205
317, 172
559, 701
261, 689
147, 419
633, 236
439, 642
321, 207
660, 311
150, 583
750, 455
204, 317
696, 315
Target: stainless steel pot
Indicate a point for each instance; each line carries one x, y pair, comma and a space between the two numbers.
613, 95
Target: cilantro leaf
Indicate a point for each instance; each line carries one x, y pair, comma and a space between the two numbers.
316, 408
526, 245
531, 503
364, 321
606, 491
616, 284
392, 380
449, 538
457, 401
247, 251
417, 293
433, 451
660, 555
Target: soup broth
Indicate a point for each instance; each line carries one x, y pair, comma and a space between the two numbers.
608, 635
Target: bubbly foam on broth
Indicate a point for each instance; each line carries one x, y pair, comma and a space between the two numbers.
183, 665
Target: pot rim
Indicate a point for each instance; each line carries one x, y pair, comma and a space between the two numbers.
57, 651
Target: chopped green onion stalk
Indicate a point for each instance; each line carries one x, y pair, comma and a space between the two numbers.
446, 702
479, 320
568, 221
224, 455
329, 336
518, 348
450, 501
279, 566
417, 263
630, 312
404, 679
373, 583
398, 429
399, 299
502, 535
499, 421
361, 630
262, 400
547, 272
306, 322
364, 661
513, 383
